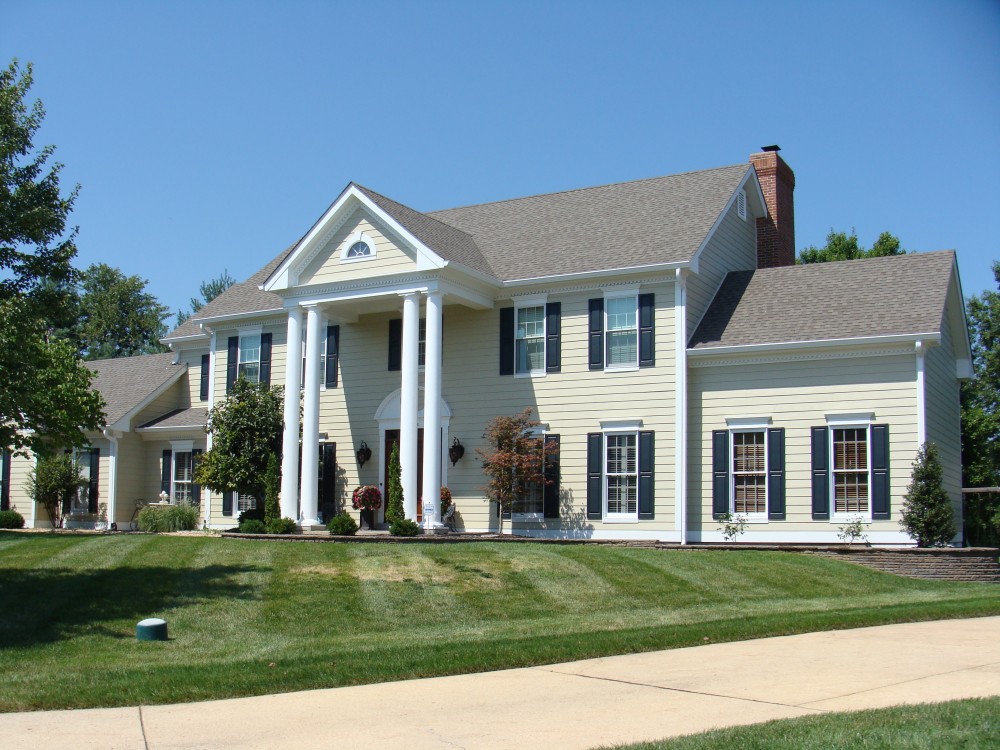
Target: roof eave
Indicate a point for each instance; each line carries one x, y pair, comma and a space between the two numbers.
602, 273
743, 349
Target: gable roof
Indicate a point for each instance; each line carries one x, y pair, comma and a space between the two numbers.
129, 382
894, 295
623, 225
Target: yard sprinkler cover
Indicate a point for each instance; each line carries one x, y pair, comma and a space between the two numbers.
151, 629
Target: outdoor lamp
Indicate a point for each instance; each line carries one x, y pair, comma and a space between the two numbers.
364, 453
456, 451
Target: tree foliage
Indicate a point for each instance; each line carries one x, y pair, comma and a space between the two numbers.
927, 515
53, 482
118, 317
841, 246
246, 431
272, 486
394, 508
513, 459
209, 290
45, 396
981, 395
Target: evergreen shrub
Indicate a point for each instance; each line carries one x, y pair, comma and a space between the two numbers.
252, 526
11, 519
281, 526
404, 527
927, 513
342, 525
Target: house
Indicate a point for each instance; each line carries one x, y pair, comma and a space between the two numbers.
681, 362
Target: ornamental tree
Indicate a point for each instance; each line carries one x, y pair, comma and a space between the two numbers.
394, 508
927, 513
54, 482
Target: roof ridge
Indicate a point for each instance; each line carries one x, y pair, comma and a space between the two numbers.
583, 189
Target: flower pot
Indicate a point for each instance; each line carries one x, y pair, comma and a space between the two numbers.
368, 519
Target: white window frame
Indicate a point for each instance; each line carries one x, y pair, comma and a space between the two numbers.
355, 238
756, 517
178, 448
535, 432
240, 361
847, 516
531, 303
629, 293
620, 429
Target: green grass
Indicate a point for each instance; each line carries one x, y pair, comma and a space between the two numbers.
250, 617
968, 724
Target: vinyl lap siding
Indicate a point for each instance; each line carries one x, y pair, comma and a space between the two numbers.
943, 413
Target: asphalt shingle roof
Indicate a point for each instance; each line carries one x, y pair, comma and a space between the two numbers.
195, 416
894, 295
126, 382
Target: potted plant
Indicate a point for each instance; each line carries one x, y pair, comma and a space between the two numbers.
367, 499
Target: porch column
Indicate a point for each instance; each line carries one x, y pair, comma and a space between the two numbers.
290, 439
310, 421
432, 413
408, 403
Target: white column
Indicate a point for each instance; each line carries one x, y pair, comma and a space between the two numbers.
290, 439
408, 403
432, 413
310, 422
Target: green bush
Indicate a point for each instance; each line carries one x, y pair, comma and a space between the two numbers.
281, 526
11, 519
252, 526
342, 525
927, 513
272, 485
180, 517
404, 527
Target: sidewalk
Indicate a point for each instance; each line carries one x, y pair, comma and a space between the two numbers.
575, 705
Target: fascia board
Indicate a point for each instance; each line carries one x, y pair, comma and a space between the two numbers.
749, 177
124, 423
191, 338
215, 320
928, 338
603, 273
964, 327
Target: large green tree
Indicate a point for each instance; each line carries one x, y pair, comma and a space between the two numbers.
981, 395
209, 290
843, 246
45, 395
117, 316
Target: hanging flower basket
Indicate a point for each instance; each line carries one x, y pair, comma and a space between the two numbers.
367, 497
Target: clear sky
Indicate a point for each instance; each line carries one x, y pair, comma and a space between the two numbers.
210, 135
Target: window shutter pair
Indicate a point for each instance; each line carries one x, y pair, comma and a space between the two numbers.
203, 390
775, 478
595, 332
233, 361
5, 480
553, 338
595, 475
821, 469
195, 487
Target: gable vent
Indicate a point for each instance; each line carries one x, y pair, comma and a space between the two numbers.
741, 204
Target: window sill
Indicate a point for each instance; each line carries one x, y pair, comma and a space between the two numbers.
612, 519
528, 517
756, 518
532, 374
865, 518
622, 368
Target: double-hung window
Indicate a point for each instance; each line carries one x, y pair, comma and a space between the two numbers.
621, 338
851, 478
529, 340
249, 363
183, 476
850, 468
322, 359
749, 473
621, 473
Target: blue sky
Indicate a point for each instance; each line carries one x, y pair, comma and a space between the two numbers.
210, 135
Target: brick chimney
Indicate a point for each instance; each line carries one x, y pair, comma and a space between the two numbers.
776, 231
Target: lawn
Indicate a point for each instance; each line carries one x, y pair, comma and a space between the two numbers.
970, 724
250, 617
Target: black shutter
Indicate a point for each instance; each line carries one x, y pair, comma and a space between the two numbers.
507, 341
195, 487
553, 337
880, 472
550, 496
820, 473
95, 472
646, 461
203, 394
233, 362
5, 480
776, 474
68, 498
595, 335
227, 503
720, 473
595, 475
265, 358
647, 353
395, 345
332, 355
327, 492
165, 472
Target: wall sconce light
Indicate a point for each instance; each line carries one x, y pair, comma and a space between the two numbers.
364, 453
456, 451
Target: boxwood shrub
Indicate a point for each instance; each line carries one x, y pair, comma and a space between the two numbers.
252, 526
11, 519
342, 525
404, 527
282, 526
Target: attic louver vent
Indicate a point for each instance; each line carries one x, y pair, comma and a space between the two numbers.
741, 204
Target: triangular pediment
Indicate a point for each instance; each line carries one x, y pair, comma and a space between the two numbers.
354, 239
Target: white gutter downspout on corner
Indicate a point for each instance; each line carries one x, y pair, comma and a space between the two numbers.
112, 477
206, 502
680, 404
921, 349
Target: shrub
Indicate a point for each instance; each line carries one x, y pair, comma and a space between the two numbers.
854, 531
394, 507
927, 513
252, 526
404, 527
53, 483
160, 518
272, 486
342, 525
733, 525
11, 519
281, 526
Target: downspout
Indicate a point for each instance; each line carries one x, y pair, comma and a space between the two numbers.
680, 403
112, 478
206, 503
921, 349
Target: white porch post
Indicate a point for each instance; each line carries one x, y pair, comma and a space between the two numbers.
290, 439
432, 413
408, 403
310, 421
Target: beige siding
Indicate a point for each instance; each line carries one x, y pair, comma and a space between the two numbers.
328, 266
798, 395
733, 247
943, 414
20, 469
175, 397
192, 358
131, 477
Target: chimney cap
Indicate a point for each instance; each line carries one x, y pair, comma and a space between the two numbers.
770, 148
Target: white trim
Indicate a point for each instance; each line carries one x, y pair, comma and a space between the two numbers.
858, 419
525, 303
859, 424
620, 517
921, 387
214, 321
355, 238
757, 516
624, 292
183, 446
112, 506
621, 425
889, 538
815, 343
748, 423
807, 356
680, 404
600, 274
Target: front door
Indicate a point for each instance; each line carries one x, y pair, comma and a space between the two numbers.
392, 438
